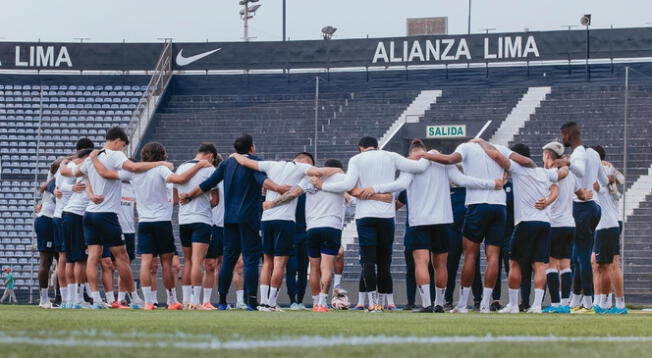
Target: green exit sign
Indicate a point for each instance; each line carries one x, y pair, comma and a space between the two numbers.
449, 131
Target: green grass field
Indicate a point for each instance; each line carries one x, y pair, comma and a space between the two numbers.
30, 331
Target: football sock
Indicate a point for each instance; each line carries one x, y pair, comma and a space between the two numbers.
552, 280
97, 299
87, 289
44, 295
586, 301
171, 296
538, 297
110, 297
575, 300
273, 296
196, 295
361, 298
64, 294
323, 299
135, 298
566, 281
74, 289
264, 294
146, 292
439, 296
603, 302
315, 300
424, 292
207, 295
239, 296
486, 297
464, 297
373, 298
390, 299
122, 296
336, 280
596, 299
610, 300
513, 296
620, 302
186, 293
153, 297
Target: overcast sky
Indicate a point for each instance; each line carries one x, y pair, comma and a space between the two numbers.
218, 20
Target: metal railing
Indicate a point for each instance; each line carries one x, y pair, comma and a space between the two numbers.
151, 97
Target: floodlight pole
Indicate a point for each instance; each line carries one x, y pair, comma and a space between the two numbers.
284, 20
316, 115
588, 43
622, 242
469, 21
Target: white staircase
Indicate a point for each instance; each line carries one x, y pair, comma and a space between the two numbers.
412, 113
520, 114
636, 194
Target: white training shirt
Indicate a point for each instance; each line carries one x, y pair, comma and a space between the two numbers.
561, 210
64, 184
285, 173
198, 210
610, 213
429, 192
324, 209
585, 164
371, 168
152, 198
218, 210
48, 202
530, 185
126, 212
478, 164
78, 200
111, 189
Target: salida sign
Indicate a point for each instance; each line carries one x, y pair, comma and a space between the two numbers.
447, 131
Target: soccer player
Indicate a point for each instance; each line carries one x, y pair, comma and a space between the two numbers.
62, 196
101, 225
195, 227
242, 206
374, 219
216, 247
484, 219
429, 193
562, 233
278, 223
585, 164
155, 237
127, 224
44, 229
9, 287
607, 245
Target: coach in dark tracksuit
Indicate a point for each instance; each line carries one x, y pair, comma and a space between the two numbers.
242, 212
296, 276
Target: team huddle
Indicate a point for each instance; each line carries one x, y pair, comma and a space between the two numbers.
232, 212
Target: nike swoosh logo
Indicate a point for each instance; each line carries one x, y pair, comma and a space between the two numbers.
183, 61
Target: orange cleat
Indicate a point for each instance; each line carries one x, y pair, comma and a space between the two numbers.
322, 309
175, 306
120, 305
316, 308
149, 307
209, 306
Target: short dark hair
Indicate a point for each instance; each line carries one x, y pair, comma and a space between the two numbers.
54, 167
305, 154
333, 163
568, 125
521, 149
243, 144
368, 142
117, 133
207, 148
84, 143
153, 152
416, 143
600, 150
84, 152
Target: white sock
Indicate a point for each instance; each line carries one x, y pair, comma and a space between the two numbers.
381, 299
610, 301
87, 289
586, 302
171, 296
240, 296
135, 298
64, 294
323, 299
207, 295
337, 279
361, 298
372, 296
513, 296
264, 294
620, 302
44, 295
575, 300
564, 301
97, 299
439, 296
80, 293
424, 291
196, 295
186, 293
390, 299
147, 293
122, 296
597, 299
555, 304
74, 289
464, 297
273, 296
538, 297
486, 297
110, 297
604, 303
153, 296
315, 300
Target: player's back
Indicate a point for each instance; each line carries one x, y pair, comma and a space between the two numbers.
530, 185
324, 209
479, 165
199, 209
151, 192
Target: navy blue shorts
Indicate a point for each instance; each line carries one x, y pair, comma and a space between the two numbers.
323, 240
155, 238
278, 236
485, 222
106, 252
433, 238
530, 242
59, 238
73, 233
195, 233
607, 244
587, 216
375, 232
561, 242
102, 229
44, 229
130, 242
216, 247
